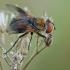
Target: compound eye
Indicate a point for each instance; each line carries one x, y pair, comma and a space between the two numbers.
49, 28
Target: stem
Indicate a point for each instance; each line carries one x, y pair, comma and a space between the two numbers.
19, 43
8, 60
1, 66
34, 54
40, 43
37, 44
10, 38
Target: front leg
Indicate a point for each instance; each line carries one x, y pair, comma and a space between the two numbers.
48, 40
41, 35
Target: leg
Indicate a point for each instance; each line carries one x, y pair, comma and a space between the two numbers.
30, 40
48, 39
16, 41
40, 35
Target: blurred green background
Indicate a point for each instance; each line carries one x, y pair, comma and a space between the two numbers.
57, 56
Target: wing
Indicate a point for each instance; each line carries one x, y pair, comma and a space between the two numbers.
18, 12
20, 26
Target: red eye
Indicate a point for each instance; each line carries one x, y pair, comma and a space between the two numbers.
49, 28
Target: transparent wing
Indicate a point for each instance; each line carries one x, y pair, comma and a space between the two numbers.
18, 12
